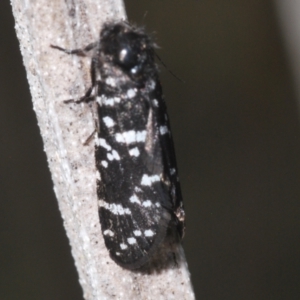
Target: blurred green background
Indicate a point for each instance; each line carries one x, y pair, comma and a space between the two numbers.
236, 129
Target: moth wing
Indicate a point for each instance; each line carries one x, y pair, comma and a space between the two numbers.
136, 208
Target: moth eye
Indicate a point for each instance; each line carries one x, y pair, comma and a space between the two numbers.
129, 59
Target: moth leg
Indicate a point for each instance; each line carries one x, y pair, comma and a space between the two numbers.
83, 53
88, 140
86, 98
79, 52
95, 131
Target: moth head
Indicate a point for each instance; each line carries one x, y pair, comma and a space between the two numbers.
129, 49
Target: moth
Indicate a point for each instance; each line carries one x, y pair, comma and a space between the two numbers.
138, 190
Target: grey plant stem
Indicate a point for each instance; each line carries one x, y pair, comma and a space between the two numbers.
54, 77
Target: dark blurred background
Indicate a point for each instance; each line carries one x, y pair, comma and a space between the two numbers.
236, 130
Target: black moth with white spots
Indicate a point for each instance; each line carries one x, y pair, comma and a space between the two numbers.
139, 195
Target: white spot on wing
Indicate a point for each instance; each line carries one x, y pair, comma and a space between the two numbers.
148, 180
114, 155
110, 156
163, 130
134, 152
108, 232
123, 246
141, 136
147, 203
148, 232
138, 190
108, 121
131, 241
116, 209
172, 171
131, 136
134, 199
155, 102
110, 81
137, 233
152, 85
98, 175
108, 101
104, 163
120, 138
131, 93
99, 100
102, 142
103, 100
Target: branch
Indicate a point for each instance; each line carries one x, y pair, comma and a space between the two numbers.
54, 77
288, 12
